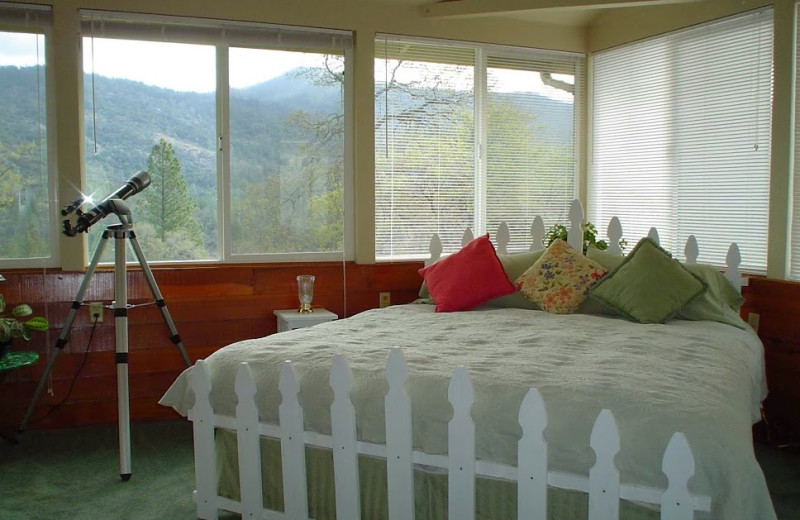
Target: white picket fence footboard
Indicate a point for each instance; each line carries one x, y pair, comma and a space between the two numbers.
531, 473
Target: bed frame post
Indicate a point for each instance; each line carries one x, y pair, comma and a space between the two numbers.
532, 458
205, 467
343, 432
604, 476
399, 462
461, 448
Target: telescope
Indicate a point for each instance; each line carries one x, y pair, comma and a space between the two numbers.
111, 204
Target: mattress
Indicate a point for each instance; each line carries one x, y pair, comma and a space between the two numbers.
705, 379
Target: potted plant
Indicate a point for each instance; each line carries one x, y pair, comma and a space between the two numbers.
589, 237
12, 326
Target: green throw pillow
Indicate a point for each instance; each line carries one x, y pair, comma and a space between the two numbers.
514, 265
610, 262
648, 286
721, 302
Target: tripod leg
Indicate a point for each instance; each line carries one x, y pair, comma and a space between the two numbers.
159, 299
62, 338
121, 333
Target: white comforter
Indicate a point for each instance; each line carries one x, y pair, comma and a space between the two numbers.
702, 378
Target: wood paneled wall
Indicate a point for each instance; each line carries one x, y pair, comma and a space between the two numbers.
777, 305
211, 306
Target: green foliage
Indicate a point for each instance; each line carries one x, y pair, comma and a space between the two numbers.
168, 208
24, 210
589, 237
12, 327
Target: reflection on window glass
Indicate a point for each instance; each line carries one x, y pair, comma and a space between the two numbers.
151, 106
287, 164
24, 206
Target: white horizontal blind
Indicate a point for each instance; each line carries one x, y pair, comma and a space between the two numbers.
470, 135
109, 24
794, 262
424, 149
531, 142
29, 18
681, 137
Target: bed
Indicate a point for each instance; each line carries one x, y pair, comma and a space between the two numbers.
699, 372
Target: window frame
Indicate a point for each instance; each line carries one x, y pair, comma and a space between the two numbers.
37, 19
222, 35
483, 58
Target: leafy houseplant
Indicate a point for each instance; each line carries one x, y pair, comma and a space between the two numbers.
11, 326
589, 237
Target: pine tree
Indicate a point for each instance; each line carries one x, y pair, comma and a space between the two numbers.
167, 205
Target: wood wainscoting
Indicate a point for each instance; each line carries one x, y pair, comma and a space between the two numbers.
212, 306
777, 306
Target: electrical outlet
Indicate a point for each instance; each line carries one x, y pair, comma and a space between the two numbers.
385, 299
96, 311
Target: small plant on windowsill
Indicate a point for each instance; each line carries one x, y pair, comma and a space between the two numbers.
12, 326
589, 237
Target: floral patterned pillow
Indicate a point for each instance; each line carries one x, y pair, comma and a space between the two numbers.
560, 280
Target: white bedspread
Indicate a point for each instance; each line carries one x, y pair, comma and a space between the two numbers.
702, 378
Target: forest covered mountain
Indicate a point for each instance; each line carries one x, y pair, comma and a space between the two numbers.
130, 116
285, 140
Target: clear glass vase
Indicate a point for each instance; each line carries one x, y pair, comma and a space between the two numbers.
305, 291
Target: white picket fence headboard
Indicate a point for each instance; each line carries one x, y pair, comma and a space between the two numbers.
575, 238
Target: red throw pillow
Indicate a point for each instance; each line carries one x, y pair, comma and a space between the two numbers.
468, 278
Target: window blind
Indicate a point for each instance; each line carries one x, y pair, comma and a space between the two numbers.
470, 135
531, 123
26, 17
109, 24
681, 137
424, 142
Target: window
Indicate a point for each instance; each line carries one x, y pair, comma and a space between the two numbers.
240, 126
681, 137
27, 217
470, 136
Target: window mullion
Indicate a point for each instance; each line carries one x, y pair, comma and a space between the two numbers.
481, 107
223, 152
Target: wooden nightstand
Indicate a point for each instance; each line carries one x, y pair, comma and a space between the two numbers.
290, 319
779, 410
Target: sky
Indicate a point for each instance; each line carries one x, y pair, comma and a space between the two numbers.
191, 68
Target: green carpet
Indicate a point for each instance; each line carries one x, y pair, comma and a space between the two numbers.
74, 474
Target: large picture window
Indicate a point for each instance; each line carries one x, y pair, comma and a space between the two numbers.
681, 137
470, 136
26, 212
240, 126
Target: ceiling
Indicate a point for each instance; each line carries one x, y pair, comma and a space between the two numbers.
560, 12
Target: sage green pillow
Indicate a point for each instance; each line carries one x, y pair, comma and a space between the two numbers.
514, 265
721, 302
610, 262
648, 286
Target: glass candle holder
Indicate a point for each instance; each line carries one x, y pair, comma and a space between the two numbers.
305, 292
